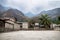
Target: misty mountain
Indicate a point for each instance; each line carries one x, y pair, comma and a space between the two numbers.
29, 14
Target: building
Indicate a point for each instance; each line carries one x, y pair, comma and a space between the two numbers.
8, 24
55, 26
16, 26
23, 25
36, 26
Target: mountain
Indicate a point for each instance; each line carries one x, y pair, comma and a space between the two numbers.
53, 13
14, 13
10, 12
29, 14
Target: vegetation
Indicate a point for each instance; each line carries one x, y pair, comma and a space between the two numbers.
45, 20
31, 23
57, 21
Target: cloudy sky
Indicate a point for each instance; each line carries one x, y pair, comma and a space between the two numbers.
33, 6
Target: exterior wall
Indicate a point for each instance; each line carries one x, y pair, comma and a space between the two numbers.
55, 26
16, 26
25, 25
9, 27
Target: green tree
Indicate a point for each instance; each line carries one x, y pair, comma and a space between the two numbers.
45, 20
57, 20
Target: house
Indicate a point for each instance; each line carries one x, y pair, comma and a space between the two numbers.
8, 24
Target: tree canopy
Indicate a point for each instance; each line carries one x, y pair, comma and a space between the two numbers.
45, 20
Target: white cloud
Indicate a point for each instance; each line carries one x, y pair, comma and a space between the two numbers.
34, 6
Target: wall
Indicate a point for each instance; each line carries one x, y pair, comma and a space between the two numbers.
16, 26
9, 27
25, 25
55, 26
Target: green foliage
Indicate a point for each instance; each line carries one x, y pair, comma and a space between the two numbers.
57, 21
45, 20
31, 23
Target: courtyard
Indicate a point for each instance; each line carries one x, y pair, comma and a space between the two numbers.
30, 35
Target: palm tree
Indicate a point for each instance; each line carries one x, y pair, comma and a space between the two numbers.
45, 20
